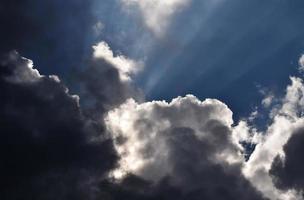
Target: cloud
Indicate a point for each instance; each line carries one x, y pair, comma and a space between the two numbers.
106, 81
267, 101
301, 63
287, 163
149, 136
285, 121
54, 146
125, 66
286, 169
187, 141
156, 14
23, 72
47, 145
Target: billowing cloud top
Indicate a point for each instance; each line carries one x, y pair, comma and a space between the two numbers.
144, 128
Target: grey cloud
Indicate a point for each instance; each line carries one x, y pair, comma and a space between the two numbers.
102, 89
287, 171
46, 146
265, 165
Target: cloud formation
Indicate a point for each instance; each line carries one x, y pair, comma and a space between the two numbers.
105, 142
286, 169
54, 146
48, 148
188, 141
125, 66
149, 136
286, 120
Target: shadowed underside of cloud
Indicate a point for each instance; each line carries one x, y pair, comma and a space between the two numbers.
186, 142
106, 144
195, 147
53, 148
287, 170
272, 160
48, 148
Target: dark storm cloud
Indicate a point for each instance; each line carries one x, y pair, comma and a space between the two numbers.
48, 150
288, 172
46, 146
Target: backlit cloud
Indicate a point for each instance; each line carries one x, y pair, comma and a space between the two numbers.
125, 66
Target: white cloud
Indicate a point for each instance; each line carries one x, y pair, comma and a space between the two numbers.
156, 14
142, 134
301, 63
267, 101
286, 119
244, 133
146, 126
141, 131
125, 66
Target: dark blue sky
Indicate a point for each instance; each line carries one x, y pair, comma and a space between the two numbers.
240, 45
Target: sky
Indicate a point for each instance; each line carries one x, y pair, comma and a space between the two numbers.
152, 99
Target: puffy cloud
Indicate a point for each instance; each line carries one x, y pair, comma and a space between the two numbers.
287, 163
156, 14
187, 141
286, 169
53, 147
149, 136
179, 149
125, 66
285, 121
106, 82
47, 148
